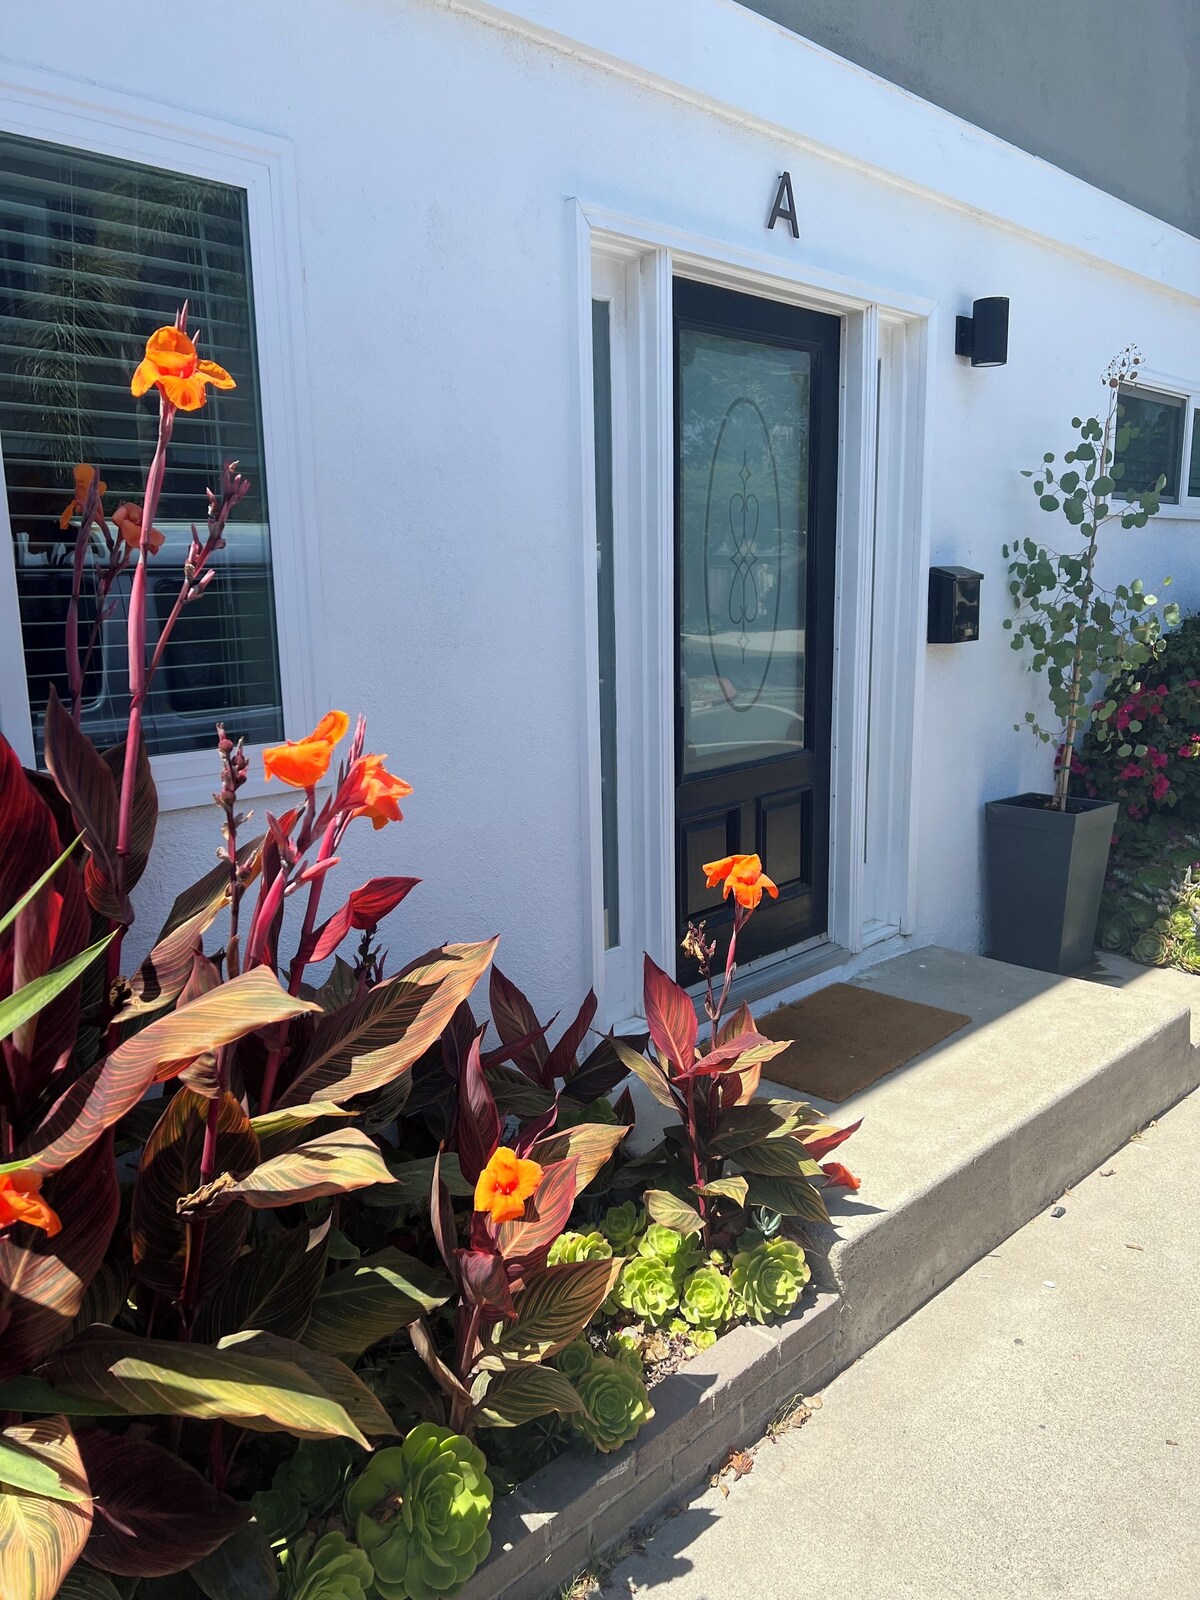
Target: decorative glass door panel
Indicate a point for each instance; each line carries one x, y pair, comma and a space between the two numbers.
756, 390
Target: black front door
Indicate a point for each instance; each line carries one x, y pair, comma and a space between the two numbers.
756, 447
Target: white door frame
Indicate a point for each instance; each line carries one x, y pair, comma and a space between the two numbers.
880, 605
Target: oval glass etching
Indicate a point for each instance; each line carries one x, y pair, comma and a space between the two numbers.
744, 425
742, 555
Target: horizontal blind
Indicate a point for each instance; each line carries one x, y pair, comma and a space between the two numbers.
95, 253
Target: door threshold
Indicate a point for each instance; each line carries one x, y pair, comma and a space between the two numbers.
775, 974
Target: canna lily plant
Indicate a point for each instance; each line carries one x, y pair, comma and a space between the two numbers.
732, 1150
175, 1139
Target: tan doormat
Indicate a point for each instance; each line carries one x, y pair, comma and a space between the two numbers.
845, 1038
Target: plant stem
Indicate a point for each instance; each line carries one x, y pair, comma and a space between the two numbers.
137, 648
300, 959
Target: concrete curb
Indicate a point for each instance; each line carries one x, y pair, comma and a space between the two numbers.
549, 1528
954, 1183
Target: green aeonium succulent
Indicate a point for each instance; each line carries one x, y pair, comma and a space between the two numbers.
621, 1225
579, 1247
615, 1403
704, 1338
574, 1359
280, 1513
649, 1289
664, 1244
420, 1510
626, 1347
768, 1278
328, 1568
316, 1472
705, 1298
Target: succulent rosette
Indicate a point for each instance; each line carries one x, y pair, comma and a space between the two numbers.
706, 1297
768, 1278
280, 1513
621, 1225
579, 1247
615, 1404
664, 1244
704, 1338
317, 1472
420, 1510
649, 1289
574, 1360
328, 1568
627, 1347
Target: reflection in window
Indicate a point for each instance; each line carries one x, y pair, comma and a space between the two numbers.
606, 610
95, 253
1154, 446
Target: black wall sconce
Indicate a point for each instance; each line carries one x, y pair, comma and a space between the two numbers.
953, 605
984, 334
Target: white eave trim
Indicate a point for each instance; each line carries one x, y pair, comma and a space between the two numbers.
718, 54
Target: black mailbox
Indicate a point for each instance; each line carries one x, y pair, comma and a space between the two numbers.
953, 605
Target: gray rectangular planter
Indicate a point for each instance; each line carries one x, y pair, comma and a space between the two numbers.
1045, 878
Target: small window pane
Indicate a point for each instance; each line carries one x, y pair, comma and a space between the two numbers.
95, 253
602, 412
1194, 470
1155, 444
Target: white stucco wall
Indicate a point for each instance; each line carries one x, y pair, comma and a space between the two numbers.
435, 153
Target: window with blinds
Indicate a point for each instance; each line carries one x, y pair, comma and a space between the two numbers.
95, 253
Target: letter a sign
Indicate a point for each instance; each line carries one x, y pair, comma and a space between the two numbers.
784, 208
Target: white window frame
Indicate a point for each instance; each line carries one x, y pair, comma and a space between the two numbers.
882, 554
1187, 508
41, 106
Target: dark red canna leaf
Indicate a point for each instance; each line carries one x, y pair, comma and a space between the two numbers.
144, 819
671, 1017
816, 1148
484, 1281
87, 782
154, 1514
53, 928
561, 1063
477, 1127
517, 1024
365, 909
43, 1279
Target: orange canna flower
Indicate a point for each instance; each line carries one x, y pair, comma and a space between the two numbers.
505, 1184
21, 1201
743, 877
304, 762
377, 791
83, 475
128, 520
172, 367
839, 1177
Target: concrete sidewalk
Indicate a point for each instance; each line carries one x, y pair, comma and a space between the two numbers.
1033, 1432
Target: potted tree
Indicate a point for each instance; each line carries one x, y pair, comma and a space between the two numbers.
1047, 853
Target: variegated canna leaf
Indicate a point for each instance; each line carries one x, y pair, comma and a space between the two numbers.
156, 1377
159, 1052
552, 1309
370, 1299
374, 1039
333, 1377
43, 1278
41, 1539
334, 1163
525, 1394
590, 1143
169, 1168
271, 1287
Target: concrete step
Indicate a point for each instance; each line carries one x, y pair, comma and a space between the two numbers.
958, 1149
963, 1145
